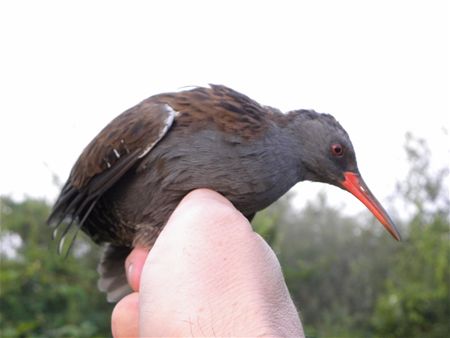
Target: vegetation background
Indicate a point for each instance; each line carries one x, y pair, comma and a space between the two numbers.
347, 276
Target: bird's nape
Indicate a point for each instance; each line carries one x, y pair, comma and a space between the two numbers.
354, 184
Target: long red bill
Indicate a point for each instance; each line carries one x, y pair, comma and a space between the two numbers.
354, 184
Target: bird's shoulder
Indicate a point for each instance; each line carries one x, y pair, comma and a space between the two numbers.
219, 107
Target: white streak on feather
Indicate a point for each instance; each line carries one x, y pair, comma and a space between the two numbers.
54, 233
61, 243
191, 87
116, 153
171, 114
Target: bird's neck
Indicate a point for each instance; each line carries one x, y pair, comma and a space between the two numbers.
280, 148
293, 136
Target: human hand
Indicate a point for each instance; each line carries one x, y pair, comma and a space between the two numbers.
208, 274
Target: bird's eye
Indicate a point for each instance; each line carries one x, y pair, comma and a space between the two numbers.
337, 150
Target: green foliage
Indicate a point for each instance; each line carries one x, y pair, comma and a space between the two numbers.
416, 302
266, 222
43, 294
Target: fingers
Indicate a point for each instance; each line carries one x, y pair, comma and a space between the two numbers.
133, 266
207, 274
125, 317
136, 259
206, 269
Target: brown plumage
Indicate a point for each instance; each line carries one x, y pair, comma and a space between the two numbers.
128, 180
228, 110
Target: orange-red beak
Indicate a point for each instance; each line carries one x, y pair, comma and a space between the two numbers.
354, 184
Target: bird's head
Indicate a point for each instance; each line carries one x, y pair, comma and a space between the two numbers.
327, 156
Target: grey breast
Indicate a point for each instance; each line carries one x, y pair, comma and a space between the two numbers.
250, 174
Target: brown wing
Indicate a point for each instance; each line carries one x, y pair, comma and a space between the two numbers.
228, 110
135, 131
117, 148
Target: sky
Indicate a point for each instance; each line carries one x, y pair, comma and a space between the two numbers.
68, 68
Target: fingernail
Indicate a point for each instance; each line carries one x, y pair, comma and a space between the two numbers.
129, 273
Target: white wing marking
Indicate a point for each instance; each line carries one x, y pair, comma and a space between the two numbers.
171, 114
191, 87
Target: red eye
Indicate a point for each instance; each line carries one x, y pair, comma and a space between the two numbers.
337, 150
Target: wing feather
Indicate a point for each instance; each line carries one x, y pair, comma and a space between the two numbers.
112, 153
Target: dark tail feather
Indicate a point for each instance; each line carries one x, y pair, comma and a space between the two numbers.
70, 211
111, 268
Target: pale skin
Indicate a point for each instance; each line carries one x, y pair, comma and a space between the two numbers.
208, 274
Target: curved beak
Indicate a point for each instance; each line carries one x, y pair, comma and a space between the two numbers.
354, 184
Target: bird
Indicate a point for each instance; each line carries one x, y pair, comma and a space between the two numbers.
131, 176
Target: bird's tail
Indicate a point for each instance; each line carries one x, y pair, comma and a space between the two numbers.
113, 280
